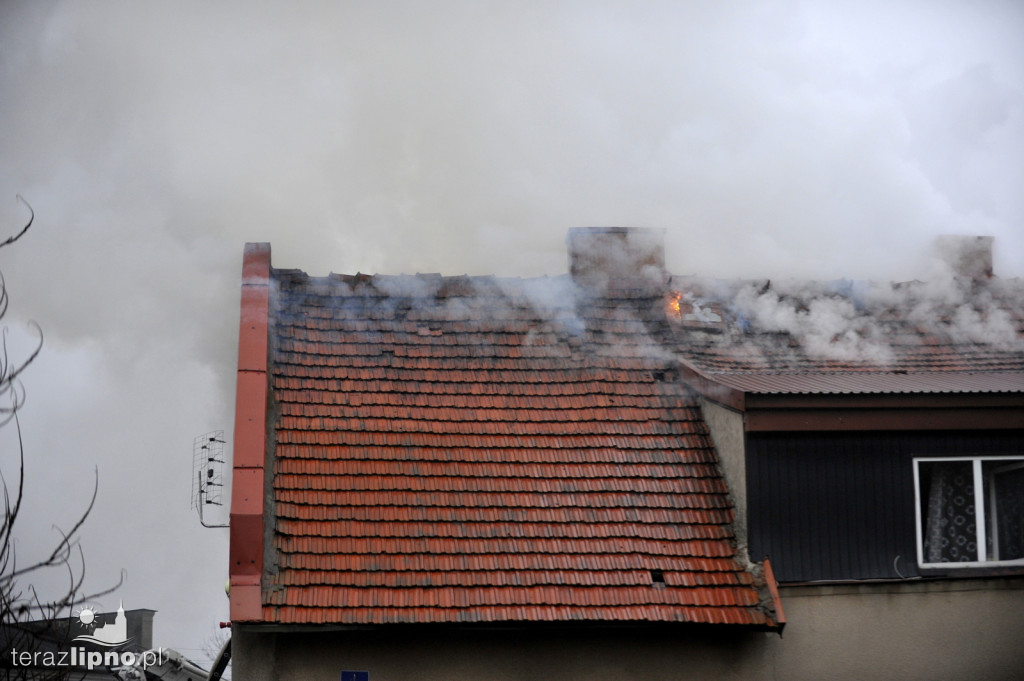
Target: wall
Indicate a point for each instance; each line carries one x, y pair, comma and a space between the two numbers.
934, 631
497, 655
944, 630
726, 428
831, 506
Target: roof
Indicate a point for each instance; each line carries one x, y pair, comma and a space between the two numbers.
476, 450
950, 336
425, 449
864, 382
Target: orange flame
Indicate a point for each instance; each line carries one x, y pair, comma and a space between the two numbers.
672, 305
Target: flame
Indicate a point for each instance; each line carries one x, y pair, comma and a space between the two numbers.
672, 305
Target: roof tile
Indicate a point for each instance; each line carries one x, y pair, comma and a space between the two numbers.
466, 450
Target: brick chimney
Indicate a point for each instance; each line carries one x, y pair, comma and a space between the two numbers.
969, 257
604, 257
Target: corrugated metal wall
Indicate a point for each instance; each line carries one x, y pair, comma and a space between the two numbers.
837, 506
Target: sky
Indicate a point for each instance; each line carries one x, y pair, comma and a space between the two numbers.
768, 139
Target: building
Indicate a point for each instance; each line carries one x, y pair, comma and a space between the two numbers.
621, 474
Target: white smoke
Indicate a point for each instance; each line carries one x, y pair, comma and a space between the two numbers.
827, 325
770, 139
855, 321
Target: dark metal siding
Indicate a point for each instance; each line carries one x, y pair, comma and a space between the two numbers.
837, 506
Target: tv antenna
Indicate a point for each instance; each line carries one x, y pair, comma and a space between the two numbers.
208, 473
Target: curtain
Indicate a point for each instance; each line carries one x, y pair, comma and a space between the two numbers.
950, 529
1009, 495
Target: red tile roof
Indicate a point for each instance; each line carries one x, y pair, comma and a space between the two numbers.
471, 449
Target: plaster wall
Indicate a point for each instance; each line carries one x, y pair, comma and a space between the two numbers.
726, 428
497, 655
934, 631
945, 630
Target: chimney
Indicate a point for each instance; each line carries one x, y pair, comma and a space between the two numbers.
969, 257
616, 257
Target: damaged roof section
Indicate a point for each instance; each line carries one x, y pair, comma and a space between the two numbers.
796, 355
482, 450
951, 335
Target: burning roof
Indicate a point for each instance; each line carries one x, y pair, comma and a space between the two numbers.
484, 450
941, 327
480, 450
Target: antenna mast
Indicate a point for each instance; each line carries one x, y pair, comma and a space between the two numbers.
208, 473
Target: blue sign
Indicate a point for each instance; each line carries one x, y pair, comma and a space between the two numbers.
355, 676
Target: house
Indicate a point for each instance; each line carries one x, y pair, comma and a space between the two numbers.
618, 473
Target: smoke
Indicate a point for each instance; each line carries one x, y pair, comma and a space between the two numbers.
769, 139
968, 312
872, 323
824, 323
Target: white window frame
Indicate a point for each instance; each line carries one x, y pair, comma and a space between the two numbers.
980, 500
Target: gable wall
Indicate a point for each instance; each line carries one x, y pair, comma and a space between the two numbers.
726, 429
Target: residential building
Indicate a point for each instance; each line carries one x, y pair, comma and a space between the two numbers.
618, 473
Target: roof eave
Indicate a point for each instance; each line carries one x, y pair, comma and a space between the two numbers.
773, 624
884, 412
708, 386
782, 410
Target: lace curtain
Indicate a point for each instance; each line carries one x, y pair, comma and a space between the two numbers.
950, 534
1009, 491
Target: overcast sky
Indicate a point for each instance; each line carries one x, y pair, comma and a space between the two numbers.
826, 139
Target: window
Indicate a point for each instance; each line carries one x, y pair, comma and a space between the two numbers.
970, 511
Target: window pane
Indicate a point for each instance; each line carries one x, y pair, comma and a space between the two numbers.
947, 512
1005, 509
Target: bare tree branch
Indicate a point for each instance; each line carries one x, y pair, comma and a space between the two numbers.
30, 621
32, 216
8, 372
